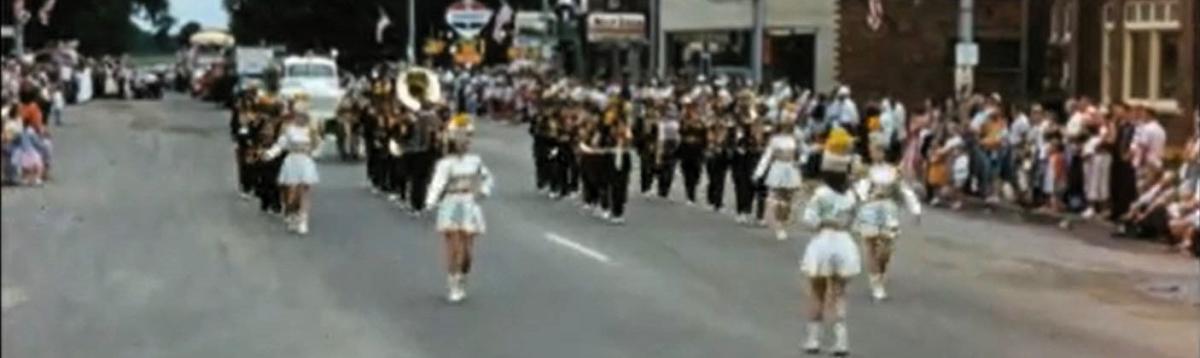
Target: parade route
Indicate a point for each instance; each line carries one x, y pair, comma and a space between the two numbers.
140, 247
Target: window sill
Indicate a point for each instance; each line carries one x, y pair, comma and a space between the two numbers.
1162, 106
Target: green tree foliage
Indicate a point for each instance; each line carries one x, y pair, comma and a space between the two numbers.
101, 26
186, 32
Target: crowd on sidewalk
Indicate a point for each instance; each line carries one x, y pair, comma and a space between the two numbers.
1100, 163
34, 93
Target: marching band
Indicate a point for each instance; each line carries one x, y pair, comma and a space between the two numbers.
585, 139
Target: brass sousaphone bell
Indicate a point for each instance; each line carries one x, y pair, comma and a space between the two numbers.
418, 84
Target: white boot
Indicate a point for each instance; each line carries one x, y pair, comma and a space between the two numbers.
302, 224
781, 235
289, 220
456, 291
841, 342
812, 343
878, 292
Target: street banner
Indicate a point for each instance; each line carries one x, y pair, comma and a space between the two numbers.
468, 18
616, 27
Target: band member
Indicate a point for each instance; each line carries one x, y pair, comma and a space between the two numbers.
266, 170
459, 180
540, 130
831, 257
397, 130
780, 172
421, 93
240, 124
594, 141
668, 146
645, 134
878, 219
623, 162
693, 134
749, 140
718, 157
347, 121
566, 167
375, 136
299, 171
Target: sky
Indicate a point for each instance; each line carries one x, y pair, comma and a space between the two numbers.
208, 13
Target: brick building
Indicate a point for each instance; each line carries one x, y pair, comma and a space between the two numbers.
1133, 51
911, 55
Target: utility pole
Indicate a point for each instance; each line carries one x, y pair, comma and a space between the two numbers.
411, 52
966, 52
1025, 37
756, 58
655, 24
22, 18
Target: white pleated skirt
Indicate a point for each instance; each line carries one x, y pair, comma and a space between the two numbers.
783, 175
832, 253
298, 169
460, 212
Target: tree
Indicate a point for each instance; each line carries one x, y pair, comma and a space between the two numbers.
101, 26
186, 32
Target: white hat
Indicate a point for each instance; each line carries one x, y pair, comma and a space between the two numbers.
843, 91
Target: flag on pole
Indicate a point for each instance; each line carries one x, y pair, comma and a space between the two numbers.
502, 19
383, 24
44, 12
875, 14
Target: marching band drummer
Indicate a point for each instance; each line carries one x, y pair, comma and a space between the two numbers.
459, 180
878, 220
299, 171
831, 257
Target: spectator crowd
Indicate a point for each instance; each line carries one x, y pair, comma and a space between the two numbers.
1096, 162
34, 93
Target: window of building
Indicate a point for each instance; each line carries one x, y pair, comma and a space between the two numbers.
1150, 53
1168, 65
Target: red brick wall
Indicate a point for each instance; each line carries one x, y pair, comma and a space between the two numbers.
911, 56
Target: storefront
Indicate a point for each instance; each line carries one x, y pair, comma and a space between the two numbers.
617, 43
799, 40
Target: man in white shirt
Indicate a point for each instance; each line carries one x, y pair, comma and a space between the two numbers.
842, 110
1149, 140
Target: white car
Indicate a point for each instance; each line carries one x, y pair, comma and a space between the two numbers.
317, 77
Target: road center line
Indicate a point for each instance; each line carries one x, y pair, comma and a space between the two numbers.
586, 251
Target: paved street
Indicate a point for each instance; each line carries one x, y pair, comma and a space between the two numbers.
140, 248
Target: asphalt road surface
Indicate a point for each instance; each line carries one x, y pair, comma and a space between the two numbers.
140, 248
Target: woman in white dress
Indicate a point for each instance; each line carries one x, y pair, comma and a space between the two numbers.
459, 180
299, 171
878, 220
779, 170
831, 257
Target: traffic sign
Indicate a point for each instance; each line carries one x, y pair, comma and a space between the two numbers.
966, 54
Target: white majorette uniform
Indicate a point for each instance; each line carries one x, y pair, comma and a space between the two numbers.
832, 252
778, 164
881, 190
298, 167
458, 181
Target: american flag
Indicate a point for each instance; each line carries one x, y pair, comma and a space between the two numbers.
875, 14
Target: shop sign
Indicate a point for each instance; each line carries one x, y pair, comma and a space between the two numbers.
607, 27
468, 18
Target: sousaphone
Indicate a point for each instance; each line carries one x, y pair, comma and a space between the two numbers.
418, 84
